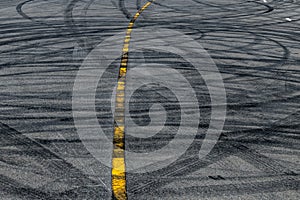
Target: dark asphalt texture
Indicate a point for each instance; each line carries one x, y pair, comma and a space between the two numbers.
256, 46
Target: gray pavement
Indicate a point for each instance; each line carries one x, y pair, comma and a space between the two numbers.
255, 46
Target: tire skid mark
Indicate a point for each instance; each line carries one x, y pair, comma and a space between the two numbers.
124, 10
286, 183
19, 10
243, 15
262, 135
261, 162
181, 168
52, 163
224, 148
10, 186
70, 23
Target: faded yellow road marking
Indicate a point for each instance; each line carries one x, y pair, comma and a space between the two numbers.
118, 158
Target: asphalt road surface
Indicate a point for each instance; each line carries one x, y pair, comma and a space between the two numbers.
253, 45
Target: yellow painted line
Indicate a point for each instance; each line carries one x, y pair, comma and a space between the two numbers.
118, 172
